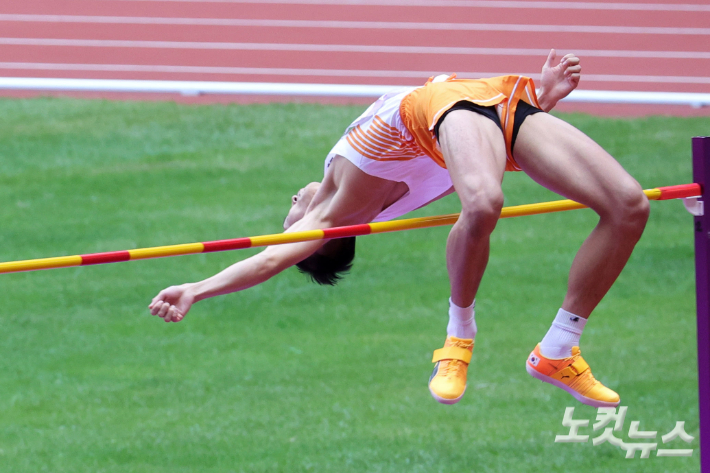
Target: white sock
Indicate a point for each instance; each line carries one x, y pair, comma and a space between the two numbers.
462, 322
563, 335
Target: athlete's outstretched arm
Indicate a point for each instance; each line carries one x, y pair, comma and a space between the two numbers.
347, 196
173, 303
556, 82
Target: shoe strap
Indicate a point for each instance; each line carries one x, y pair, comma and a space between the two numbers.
575, 369
579, 365
452, 353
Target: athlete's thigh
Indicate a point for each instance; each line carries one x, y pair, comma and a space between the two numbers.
474, 152
563, 159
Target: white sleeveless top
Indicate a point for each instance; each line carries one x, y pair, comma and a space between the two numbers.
379, 144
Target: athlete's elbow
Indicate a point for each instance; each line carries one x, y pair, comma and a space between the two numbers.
270, 266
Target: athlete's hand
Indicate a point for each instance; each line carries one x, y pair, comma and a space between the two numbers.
173, 303
558, 81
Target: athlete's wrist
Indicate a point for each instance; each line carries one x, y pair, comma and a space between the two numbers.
195, 291
546, 102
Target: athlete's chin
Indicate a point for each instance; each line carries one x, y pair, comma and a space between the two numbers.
292, 217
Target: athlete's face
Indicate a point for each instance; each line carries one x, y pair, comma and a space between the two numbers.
299, 203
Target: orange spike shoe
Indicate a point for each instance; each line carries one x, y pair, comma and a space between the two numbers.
447, 383
573, 375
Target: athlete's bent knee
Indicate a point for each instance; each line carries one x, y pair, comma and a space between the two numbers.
481, 210
631, 209
638, 210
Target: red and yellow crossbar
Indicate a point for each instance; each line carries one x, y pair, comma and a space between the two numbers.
660, 193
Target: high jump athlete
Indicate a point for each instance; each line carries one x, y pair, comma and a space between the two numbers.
411, 148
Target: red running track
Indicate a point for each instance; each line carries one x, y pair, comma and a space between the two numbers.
633, 46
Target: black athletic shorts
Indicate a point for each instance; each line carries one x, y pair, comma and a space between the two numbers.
522, 110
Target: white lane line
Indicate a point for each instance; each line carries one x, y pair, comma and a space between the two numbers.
333, 90
473, 4
215, 70
347, 48
334, 24
330, 72
646, 78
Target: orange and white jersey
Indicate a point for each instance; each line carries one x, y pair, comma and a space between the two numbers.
394, 138
379, 144
422, 108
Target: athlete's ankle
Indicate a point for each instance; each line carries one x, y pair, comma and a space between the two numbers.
564, 334
462, 321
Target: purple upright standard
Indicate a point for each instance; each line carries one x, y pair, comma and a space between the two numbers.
701, 175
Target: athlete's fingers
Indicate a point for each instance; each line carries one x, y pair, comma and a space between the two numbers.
163, 310
569, 74
550, 58
570, 59
176, 316
156, 307
170, 314
155, 299
159, 297
573, 70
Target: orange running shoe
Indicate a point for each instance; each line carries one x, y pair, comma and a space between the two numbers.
573, 375
448, 381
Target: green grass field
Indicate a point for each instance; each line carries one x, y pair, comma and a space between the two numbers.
289, 376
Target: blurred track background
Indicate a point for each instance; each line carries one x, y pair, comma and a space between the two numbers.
631, 46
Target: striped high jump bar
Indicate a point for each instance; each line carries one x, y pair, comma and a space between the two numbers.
660, 193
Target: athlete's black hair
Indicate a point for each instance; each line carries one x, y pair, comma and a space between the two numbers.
332, 263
